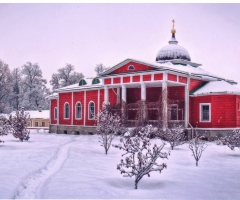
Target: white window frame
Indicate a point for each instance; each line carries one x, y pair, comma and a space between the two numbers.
131, 66
76, 110
89, 111
65, 110
55, 115
200, 112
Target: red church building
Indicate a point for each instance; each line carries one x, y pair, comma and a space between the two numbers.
170, 91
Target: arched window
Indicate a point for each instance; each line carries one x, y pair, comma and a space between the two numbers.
55, 113
78, 110
91, 110
66, 111
131, 67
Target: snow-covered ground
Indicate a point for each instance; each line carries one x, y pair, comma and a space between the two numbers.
68, 166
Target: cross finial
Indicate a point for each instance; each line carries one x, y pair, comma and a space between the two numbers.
173, 23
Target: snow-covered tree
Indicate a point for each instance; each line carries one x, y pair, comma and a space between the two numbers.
65, 76
233, 140
6, 84
18, 123
4, 127
175, 136
141, 158
197, 146
15, 97
108, 126
99, 68
34, 87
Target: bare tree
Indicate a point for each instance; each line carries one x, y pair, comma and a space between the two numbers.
108, 125
18, 123
141, 157
5, 86
100, 68
175, 136
65, 76
197, 146
233, 140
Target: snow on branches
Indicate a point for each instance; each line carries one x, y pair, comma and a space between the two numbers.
175, 136
18, 123
108, 125
232, 140
140, 156
197, 146
4, 126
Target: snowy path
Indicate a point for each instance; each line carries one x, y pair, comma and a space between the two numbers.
31, 188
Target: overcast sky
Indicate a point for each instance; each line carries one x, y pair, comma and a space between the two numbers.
88, 34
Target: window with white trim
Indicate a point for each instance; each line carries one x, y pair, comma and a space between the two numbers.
55, 113
91, 110
131, 67
66, 111
205, 112
174, 112
78, 110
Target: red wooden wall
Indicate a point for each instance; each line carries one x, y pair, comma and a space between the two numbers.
194, 83
63, 98
223, 111
78, 97
53, 105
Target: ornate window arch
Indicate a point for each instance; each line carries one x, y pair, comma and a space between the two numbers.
91, 110
131, 67
78, 110
55, 113
66, 111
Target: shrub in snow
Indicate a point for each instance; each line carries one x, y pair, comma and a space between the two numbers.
108, 126
175, 136
18, 123
4, 126
197, 146
140, 156
232, 140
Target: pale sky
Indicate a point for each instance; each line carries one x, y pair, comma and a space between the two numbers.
88, 34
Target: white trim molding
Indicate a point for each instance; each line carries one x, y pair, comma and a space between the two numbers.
200, 112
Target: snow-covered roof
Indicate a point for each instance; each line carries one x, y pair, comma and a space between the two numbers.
52, 96
222, 87
34, 114
82, 87
4, 115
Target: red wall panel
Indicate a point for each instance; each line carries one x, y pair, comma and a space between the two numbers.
78, 97
194, 83
182, 79
126, 79
91, 95
176, 93
63, 98
112, 96
117, 80
158, 76
223, 111
53, 105
107, 81
172, 77
147, 77
136, 78
137, 67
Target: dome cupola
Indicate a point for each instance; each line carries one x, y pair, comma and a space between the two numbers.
172, 50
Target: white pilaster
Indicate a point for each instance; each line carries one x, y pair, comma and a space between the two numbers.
85, 108
164, 102
118, 95
106, 95
58, 110
98, 101
72, 108
143, 91
186, 113
124, 93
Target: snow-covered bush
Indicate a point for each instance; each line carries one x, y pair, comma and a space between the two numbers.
232, 141
4, 126
140, 156
18, 123
108, 126
197, 146
175, 136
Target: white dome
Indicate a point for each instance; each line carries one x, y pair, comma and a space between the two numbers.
173, 51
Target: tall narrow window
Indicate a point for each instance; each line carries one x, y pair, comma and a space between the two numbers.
55, 113
205, 112
78, 110
66, 111
91, 110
